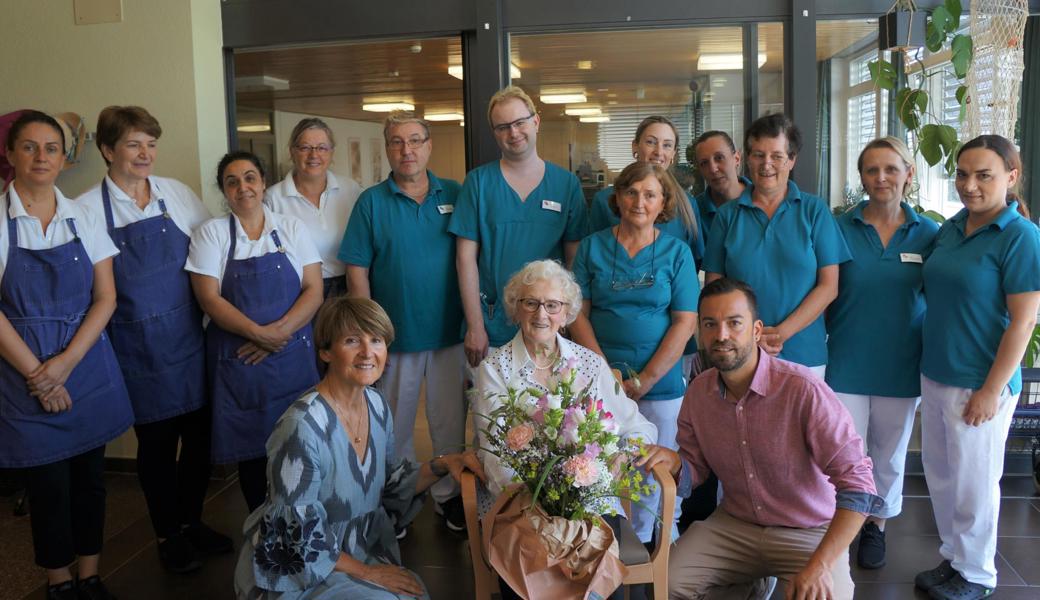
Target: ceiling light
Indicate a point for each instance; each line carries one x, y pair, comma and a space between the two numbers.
583, 111
387, 106
563, 98
253, 128
585, 65
452, 116
259, 83
456, 71
725, 62
595, 119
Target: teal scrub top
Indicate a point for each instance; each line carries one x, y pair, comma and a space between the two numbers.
874, 325
779, 258
966, 282
601, 217
631, 322
706, 208
512, 233
410, 257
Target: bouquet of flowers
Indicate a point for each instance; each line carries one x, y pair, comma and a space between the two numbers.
563, 446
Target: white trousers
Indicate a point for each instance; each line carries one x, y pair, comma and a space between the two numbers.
963, 466
665, 415
885, 425
444, 372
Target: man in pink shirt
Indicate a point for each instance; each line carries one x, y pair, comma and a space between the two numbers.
797, 483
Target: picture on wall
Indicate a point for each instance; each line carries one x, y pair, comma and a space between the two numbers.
354, 150
376, 147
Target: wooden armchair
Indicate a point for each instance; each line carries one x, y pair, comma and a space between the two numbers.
643, 566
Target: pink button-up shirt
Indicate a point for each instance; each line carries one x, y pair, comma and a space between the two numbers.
786, 453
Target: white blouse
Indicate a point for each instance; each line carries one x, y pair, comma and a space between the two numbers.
185, 208
512, 366
31, 235
327, 222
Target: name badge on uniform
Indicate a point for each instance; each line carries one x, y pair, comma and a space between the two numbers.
910, 257
445, 209
553, 206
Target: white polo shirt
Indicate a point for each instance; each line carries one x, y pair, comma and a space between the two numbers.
208, 252
326, 222
31, 235
185, 208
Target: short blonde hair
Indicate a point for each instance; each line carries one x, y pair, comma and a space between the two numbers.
508, 93
542, 270
400, 117
343, 314
895, 145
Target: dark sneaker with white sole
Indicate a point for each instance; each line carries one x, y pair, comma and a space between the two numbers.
871, 551
959, 588
453, 512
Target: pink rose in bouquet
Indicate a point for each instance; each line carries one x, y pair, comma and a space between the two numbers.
520, 436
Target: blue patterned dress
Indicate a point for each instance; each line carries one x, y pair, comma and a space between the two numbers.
322, 500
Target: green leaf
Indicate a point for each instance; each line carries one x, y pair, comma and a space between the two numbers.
947, 139
941, 19
883, 74
950, 166
931, 214
961, 49
930, 147
954, 8
920, 99
933, 37
909, 105
962, 99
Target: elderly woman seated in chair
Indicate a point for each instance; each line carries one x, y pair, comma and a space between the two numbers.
542, 298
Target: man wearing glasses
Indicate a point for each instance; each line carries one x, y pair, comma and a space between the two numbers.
510, 211
399, 253
783, 242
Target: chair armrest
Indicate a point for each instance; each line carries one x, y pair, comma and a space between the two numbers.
667, 483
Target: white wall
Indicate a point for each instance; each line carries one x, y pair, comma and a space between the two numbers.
165, 56
344, 130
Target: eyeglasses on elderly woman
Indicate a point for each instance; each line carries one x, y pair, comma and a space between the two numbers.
531, 305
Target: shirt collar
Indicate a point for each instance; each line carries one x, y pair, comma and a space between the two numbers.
240, 232
793, 193
709, 203
435, 184
1002, 220
116, 193
521, 357
289, 185
761, 382
63, 207
910, 215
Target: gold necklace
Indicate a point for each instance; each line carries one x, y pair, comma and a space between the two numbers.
347, 425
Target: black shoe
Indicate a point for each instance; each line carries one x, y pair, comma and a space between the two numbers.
91, 588
401, 533
959, 588
206, 541
871, 553
62, 591
926, 580
177, 554
453, 512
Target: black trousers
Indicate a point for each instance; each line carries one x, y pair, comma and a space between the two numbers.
619, 594
174, 489
700, 503
252, 478
67, 508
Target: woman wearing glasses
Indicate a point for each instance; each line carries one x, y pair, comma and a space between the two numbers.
641, 290
314, 195
257, 276
542, 298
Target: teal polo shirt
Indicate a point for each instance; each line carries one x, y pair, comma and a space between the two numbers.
601, 217
410, 257
874, 325
512, 233
706, 206
631, 321
966, 281
779, 258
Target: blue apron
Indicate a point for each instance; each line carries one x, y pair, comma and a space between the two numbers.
45, 294
157, 327
249, 399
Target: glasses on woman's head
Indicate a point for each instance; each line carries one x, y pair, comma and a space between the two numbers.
518, 124
553, 307
306, 149
397, 144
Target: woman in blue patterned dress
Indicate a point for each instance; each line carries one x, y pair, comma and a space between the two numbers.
336, 491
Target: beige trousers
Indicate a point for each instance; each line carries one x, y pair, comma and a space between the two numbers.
724, 558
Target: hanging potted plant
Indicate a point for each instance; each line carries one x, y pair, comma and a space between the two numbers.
901, 27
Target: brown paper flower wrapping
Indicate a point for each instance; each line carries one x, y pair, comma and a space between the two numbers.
549, 557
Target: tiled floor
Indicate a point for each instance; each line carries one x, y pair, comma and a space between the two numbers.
131, 566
